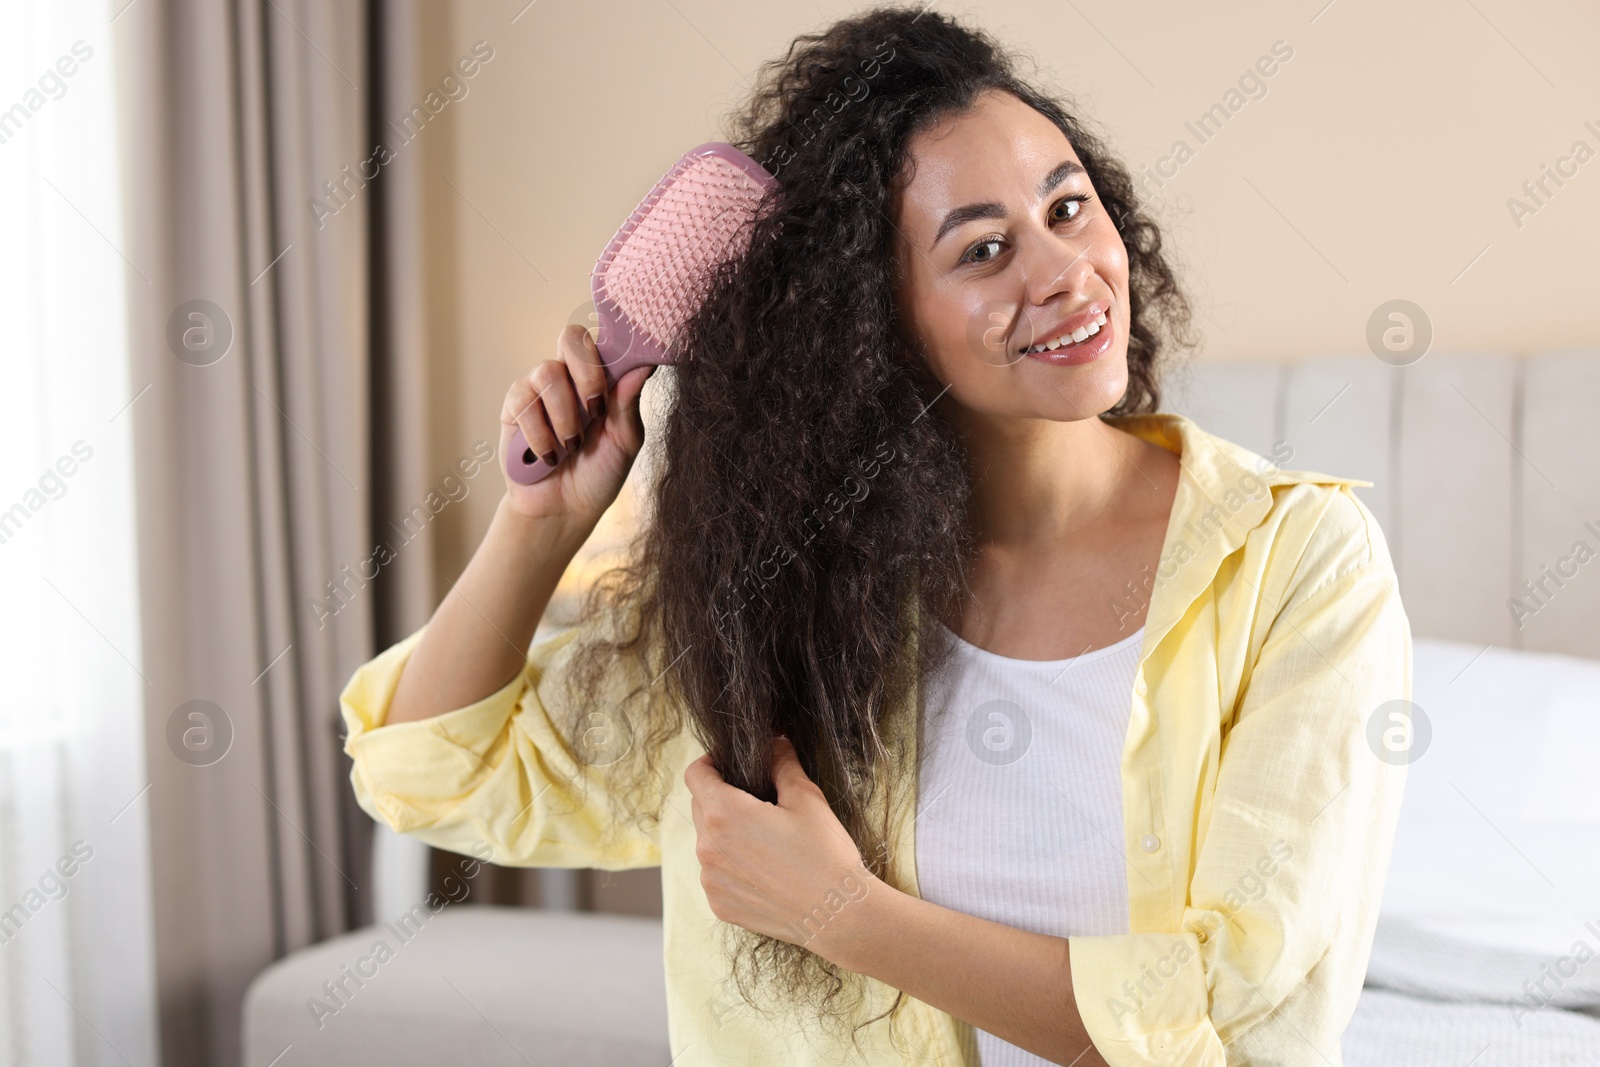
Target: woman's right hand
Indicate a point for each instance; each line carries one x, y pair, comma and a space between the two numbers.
555, 404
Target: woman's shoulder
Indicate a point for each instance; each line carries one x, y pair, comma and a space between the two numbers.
1327, 532
1319, 526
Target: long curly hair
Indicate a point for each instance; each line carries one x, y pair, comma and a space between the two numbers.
804, 507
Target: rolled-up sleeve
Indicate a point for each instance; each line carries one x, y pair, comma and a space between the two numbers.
501, 772
1268, 961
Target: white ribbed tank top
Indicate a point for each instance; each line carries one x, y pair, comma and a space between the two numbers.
1019, 795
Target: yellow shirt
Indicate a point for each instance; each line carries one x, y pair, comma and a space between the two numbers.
1261, 788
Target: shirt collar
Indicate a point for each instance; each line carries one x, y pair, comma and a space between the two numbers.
1224, 492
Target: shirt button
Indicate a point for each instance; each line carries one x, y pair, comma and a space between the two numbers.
1149, 842
1143, 687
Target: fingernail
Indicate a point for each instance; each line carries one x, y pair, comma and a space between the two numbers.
574, 443
550, 459
597, 405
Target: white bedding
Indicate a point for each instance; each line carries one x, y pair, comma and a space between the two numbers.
1499, 834
1434, 1000
1396, 1030
1495, 878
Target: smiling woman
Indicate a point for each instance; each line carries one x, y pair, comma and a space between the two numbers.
1042, 811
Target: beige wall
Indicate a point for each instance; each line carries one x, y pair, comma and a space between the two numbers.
1377, 164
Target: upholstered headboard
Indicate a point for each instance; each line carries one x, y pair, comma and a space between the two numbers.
1486, 472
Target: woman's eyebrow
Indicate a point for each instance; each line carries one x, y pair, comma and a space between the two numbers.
991, 210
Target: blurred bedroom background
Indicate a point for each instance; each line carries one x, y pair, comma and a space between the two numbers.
269, 266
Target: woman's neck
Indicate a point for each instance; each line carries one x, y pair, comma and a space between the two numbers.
1037, 480
1065, 516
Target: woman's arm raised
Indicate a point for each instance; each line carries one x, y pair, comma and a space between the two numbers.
478, 637
462, 735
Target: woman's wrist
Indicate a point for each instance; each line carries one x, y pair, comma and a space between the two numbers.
846, 940
541, 537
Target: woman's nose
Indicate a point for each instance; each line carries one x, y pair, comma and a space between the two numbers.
1053, 265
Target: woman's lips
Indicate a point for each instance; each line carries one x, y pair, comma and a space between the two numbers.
1084, 351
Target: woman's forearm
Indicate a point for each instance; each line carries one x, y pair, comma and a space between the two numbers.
478, 637
1014, 983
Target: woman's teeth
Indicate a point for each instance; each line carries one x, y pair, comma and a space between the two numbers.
1071, 338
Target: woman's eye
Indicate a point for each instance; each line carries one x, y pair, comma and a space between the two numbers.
1073, 202
972, 253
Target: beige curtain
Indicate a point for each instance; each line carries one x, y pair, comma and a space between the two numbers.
275, 337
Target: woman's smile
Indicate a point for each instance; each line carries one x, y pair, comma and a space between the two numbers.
1081, 338
1087, 350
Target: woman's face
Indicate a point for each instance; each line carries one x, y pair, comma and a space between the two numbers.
1004, 247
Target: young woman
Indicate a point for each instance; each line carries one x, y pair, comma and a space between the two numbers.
973, 708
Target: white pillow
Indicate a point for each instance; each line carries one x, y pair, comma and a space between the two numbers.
1499, 834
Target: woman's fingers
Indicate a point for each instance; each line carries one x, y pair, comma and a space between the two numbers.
559, 398
556, 401
524, 409
582, 358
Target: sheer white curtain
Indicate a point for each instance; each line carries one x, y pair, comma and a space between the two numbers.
76, 953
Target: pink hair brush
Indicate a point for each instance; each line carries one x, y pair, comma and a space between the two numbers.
653, 274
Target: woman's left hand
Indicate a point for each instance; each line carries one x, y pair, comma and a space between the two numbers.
787, 870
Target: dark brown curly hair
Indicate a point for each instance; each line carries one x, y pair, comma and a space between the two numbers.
804, 506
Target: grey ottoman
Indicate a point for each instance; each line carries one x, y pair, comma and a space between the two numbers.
472, 984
